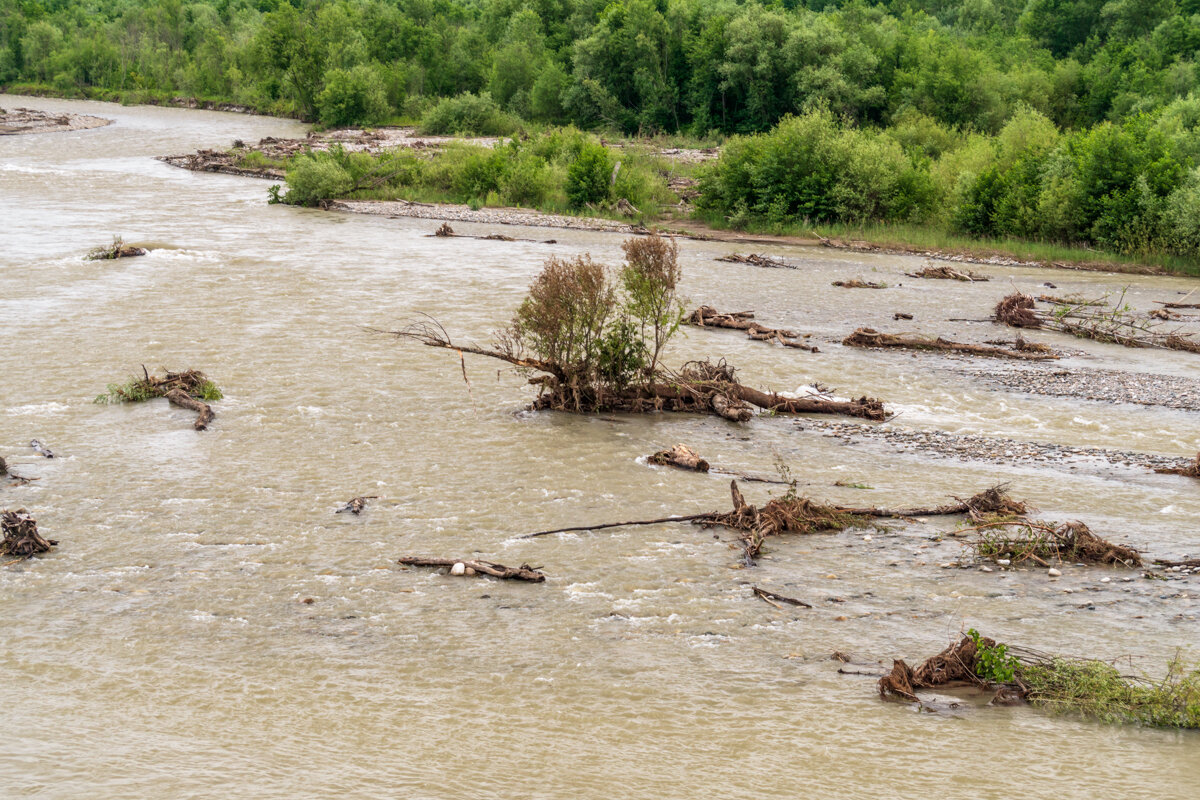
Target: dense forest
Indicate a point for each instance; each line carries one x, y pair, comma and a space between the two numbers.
1058, 120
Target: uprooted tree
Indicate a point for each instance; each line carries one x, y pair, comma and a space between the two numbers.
592, 340
1096, 320
1089, 687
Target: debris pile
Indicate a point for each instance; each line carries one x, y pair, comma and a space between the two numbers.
21, 537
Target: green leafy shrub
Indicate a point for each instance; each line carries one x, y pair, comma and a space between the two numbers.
469, 115
316, 176
589, 176
354, 96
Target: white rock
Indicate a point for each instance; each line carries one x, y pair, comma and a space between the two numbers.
867, 538
1105, 580
985, 569
1054, 573
1004, 562
459, 568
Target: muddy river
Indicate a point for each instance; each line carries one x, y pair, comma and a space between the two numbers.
165, 649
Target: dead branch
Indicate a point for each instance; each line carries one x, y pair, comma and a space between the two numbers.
464, 566
1032, 540
868, 337
40, 448
993, 501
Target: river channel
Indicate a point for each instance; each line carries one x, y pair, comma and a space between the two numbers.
166, 648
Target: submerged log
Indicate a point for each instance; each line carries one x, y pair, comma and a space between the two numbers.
356, 505
856, 283
204, 412
40, 448
466, 566
680, 456
21, 537
868, 337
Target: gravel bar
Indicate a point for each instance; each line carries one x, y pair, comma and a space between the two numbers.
976, 447
1105, 385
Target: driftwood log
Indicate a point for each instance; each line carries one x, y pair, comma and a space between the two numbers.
856, 283
775, 599
709, 317
680, 456
41, 449
21, 537
868, 337
204, 412
467, 566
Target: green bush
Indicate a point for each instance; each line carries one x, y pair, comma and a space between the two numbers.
469, 115
313, 177
589, 176
352, 97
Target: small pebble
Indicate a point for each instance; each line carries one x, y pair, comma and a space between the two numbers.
1105, 580
985, 568
1054, 573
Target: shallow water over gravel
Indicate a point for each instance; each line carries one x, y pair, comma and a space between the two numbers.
164, 649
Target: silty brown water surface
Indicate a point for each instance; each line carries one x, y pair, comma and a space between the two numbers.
164, 649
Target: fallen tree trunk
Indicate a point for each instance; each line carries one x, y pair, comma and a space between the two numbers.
1112, 325
465, 566
680, 456
204, 412
947, 273
868, 337
709, 317
990, 501
699, 386
21, 537
759, 261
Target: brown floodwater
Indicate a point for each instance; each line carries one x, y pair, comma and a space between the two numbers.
164, 649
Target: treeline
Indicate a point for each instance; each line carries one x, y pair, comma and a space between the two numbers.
1070, 121
697, 66
1128, 187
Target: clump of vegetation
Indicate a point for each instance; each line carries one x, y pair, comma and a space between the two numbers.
118, 249
1088, 687
469, 115
1021, 540
136, 390
559, 171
